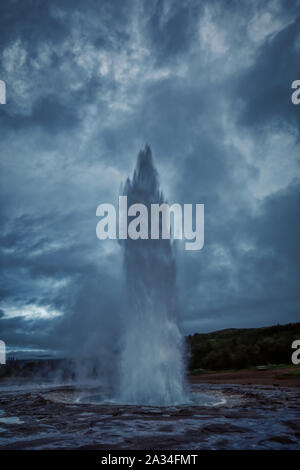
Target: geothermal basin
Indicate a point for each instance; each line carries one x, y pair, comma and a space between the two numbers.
81, 416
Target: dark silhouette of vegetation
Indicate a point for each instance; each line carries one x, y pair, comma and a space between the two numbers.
242, 348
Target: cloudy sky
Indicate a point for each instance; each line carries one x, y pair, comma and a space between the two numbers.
208, 85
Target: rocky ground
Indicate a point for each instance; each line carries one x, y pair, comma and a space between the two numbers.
217, 416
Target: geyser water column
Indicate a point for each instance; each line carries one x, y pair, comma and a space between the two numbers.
152, 364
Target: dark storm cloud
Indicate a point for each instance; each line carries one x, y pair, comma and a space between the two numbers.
28, 333
31, 21
53, 115
204, 83
265, 88
48, 113
252, 285
172, 30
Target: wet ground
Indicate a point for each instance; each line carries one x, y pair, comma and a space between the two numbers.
218, 417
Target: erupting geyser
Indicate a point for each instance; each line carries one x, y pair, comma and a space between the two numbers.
152, 364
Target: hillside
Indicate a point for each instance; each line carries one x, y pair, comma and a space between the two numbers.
242, 348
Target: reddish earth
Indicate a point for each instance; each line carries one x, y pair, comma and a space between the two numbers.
276, 377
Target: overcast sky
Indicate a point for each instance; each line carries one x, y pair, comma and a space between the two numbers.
208, 85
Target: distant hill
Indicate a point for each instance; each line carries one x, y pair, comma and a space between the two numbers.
236, 348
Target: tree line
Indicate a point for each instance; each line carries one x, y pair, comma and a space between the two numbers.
242, 348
